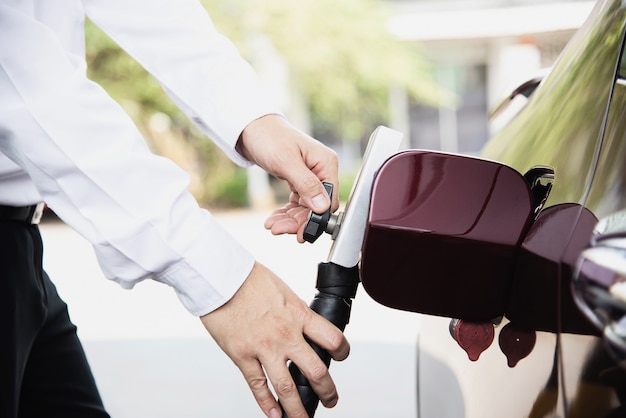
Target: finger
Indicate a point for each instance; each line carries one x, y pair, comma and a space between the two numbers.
276, 216
286, 225
310, 189
299, 213
279, 214
294, 201
257, 381
300, 234
335, 203
318, 376
285, 389
327, 170
328, 336
287, 222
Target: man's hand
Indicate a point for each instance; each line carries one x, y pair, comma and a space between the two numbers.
261, 328
280, 149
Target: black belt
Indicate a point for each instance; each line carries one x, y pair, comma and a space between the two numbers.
27, 214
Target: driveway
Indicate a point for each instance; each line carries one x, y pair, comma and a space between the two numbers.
152, 359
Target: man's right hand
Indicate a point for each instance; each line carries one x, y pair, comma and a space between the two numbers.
287, 153
263, 327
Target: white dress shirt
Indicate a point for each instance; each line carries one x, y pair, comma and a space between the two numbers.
64, 141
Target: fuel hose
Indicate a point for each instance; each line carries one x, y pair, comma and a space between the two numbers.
336, 286
338, 277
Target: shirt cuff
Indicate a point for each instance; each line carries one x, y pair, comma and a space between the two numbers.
212, 270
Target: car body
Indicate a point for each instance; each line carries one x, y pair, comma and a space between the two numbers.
519, 317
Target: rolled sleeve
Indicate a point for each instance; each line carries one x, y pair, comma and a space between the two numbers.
227, 262
90, 164
200, 69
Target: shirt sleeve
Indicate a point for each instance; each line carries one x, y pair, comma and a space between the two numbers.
93, 168
199, 68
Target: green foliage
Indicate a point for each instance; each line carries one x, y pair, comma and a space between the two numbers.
232, 190
346, 182
340, 53
123, 77
341, 59
142, 96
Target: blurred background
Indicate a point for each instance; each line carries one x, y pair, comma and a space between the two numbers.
431, 69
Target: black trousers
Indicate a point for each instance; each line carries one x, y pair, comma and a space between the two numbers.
43, 368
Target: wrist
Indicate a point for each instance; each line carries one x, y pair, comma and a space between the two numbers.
258, 128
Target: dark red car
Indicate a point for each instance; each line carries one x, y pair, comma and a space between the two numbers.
517, 259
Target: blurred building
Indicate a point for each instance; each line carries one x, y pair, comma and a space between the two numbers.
480, 49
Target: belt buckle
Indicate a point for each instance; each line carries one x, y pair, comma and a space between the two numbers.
37, 213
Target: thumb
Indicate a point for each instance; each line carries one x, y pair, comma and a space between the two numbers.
310, 189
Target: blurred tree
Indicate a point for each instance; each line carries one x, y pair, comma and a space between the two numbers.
341, 60
340, 53
215, 180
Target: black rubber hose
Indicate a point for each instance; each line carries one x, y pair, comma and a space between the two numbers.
337, 286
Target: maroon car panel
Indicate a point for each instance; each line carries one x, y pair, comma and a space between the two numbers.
442, 234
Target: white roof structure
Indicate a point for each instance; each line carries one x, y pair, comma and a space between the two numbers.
480, 23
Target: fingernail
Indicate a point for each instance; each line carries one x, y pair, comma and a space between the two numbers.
320, 201
275, 413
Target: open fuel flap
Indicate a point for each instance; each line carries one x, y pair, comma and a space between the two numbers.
442, 234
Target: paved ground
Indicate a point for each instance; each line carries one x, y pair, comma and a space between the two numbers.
152, 359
